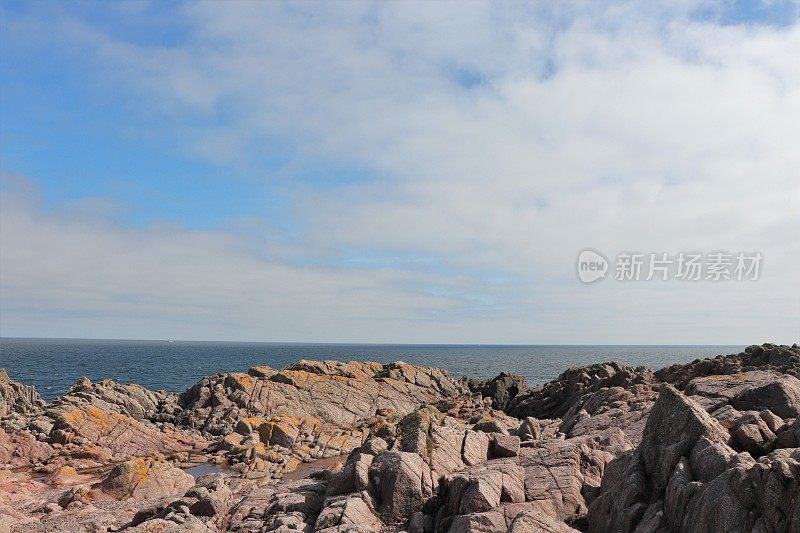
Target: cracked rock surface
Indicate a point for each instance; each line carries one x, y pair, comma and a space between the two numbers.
326, 446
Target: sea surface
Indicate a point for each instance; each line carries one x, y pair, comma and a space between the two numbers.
54, 365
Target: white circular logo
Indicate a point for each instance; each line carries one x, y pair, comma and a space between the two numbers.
592, 266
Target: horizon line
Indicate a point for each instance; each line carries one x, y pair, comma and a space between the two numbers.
361, 343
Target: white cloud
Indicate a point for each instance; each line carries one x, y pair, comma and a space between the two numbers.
622, 127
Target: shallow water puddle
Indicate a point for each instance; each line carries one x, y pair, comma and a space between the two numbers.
304, 470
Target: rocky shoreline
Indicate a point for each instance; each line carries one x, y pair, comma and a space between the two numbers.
713, 445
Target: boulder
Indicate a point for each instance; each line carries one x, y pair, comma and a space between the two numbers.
529, 429
346, 514
145, 478
675, 424
505, 445
401, 483
476, 448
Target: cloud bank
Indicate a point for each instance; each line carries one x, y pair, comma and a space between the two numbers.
479, 148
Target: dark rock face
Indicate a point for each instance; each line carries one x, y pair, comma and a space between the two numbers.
503, 389
781, 358
17, 399
554, 399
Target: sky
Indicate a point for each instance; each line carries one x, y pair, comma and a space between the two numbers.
396, 172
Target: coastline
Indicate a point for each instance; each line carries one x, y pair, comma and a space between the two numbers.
411, 448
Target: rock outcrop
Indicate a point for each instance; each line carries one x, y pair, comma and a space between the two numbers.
684, 476
713, 445
337, 393
17, 401
555, 399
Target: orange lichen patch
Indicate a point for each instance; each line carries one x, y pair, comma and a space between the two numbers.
247, 381
261, 371
141, 469
280, 431
254, 421
232, 442
74, 416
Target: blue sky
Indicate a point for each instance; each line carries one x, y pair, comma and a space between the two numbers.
393, 172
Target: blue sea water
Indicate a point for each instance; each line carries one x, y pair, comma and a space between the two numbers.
53, 365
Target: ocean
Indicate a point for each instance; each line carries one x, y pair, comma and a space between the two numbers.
54, 365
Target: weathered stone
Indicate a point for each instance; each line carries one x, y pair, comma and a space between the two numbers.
476, 448
483, 488
626, 408
503, 389
783, 359
22, 449
345, 513
529, 429
353, 477
505, 445
490, 425
555, 399
18, 398
401, 485
119, 433
675, 424
145, 478
330, 391
536, 522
